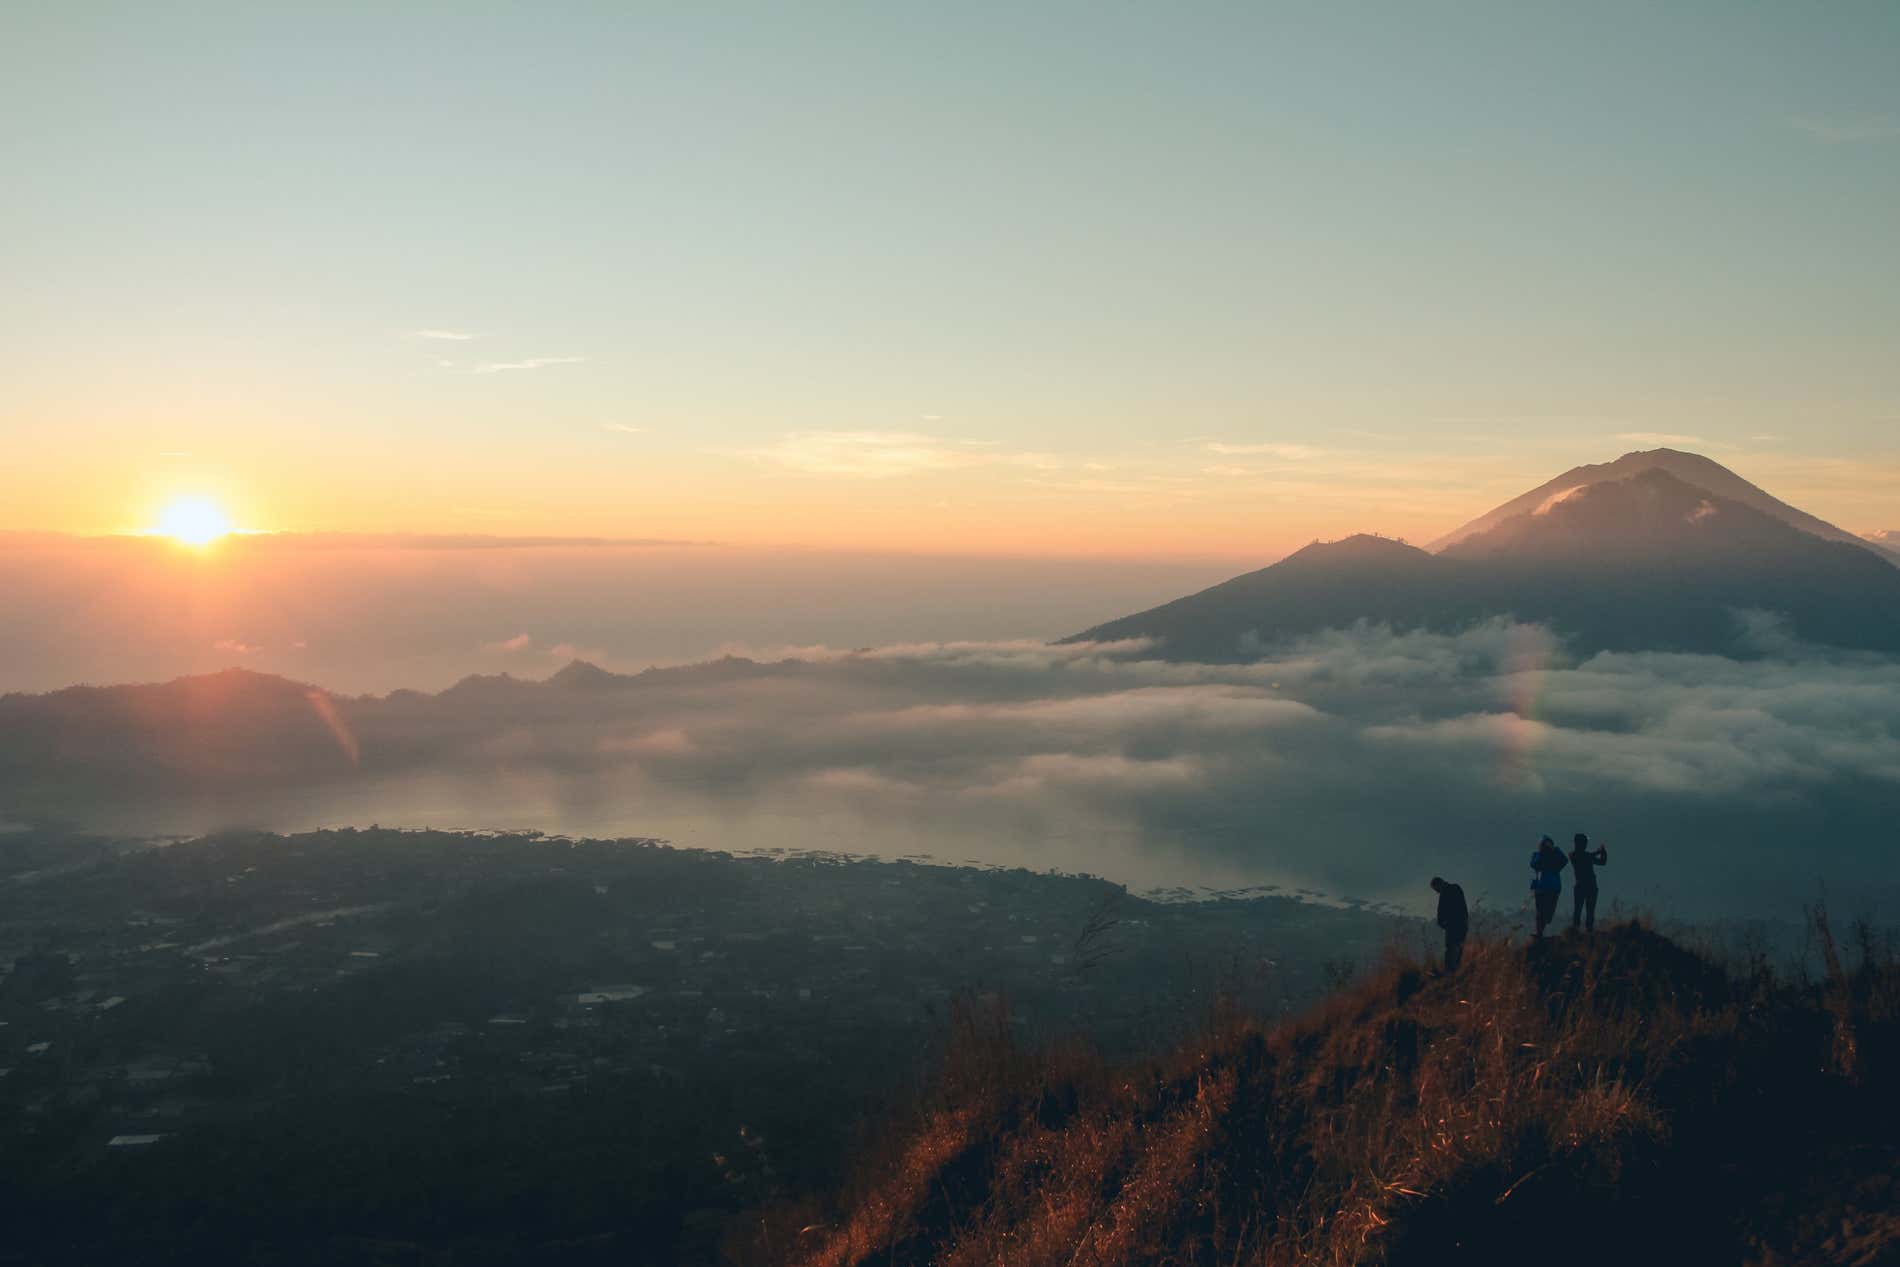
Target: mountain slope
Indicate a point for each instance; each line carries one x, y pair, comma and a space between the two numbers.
1653, 563
1691, 468
1617, 1094
1886, 540
1634, 518
1325, 585
233, 727
237, 732
1645, 562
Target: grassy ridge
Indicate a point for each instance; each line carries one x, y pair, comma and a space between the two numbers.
1616, 1096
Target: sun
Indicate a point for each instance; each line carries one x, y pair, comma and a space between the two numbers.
193, 521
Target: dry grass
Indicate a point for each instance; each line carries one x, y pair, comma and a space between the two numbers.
1409, 1118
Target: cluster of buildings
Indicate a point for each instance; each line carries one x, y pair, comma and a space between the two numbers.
168, 987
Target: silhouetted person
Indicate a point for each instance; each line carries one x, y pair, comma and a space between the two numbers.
1454, 917
1547, 882
1584, 861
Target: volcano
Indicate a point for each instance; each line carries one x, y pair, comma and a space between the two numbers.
1657, 551
1691, 468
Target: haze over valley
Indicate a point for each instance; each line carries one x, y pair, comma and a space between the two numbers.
977, 635
1692, 667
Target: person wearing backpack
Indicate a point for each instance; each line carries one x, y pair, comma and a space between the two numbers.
1547, 882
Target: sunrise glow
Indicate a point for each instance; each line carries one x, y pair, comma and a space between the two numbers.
192, 521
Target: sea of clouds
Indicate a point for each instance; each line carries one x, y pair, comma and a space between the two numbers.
1357, 763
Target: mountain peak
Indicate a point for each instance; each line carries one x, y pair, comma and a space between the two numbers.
1324, 585
583, 675
1693, 469
1360, 547
1649, 511
1658, 550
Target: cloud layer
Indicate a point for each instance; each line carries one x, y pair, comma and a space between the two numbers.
1359, 763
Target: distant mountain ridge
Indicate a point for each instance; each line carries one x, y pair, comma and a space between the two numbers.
1634, 558
1643, 562
238, 729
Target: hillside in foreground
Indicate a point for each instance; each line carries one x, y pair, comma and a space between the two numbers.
1620, 1097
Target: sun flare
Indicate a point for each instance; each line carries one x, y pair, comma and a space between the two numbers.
193, 521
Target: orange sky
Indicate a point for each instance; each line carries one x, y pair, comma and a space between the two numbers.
879, 491
919, 279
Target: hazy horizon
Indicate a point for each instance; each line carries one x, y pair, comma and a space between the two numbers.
980, 280
380, 346
356, 619
1264, 455
914, 704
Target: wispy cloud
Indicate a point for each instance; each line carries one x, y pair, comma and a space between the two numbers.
883, 454
1286, 452
1090, 485
1847, 131
1657, 437
1515, 419
530, 363
453, 336
621, 428
508, 645
301, 541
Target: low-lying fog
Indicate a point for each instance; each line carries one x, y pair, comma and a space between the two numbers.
1358, 763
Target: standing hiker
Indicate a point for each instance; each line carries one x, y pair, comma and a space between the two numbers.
1584, 861
1454, 917
1546, 881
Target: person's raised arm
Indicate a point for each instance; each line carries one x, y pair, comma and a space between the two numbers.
1603, 856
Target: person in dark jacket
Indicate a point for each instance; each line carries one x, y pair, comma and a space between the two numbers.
1584, 862
1547, 882
1454, 917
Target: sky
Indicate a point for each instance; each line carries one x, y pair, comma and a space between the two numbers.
382, 613
1054, 280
